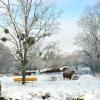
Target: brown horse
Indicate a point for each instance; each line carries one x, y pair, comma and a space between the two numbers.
68, 74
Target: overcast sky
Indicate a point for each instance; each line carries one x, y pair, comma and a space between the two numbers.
72, 10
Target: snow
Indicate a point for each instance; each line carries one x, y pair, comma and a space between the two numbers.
86, 86
83, 70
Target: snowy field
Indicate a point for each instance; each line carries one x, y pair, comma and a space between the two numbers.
87, 87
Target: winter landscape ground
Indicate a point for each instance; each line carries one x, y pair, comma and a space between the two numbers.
87, 87
59, 36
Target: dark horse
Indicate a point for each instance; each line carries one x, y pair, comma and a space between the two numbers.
68, 74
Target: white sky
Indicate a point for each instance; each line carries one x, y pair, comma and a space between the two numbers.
72, 10
65, 37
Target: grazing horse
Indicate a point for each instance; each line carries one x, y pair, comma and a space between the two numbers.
68, 74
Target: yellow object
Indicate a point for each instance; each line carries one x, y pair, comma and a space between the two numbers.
26, 79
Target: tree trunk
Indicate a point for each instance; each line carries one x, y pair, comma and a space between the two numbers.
0, 89
23, 75
23, 69
24, 63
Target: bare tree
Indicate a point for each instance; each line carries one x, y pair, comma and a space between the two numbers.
6, 59
52, 56
88, 38
42, 56
25, 22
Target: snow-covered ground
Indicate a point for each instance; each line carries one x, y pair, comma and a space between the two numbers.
86, 86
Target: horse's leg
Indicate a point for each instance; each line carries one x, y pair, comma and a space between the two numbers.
69, 77
64, 76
